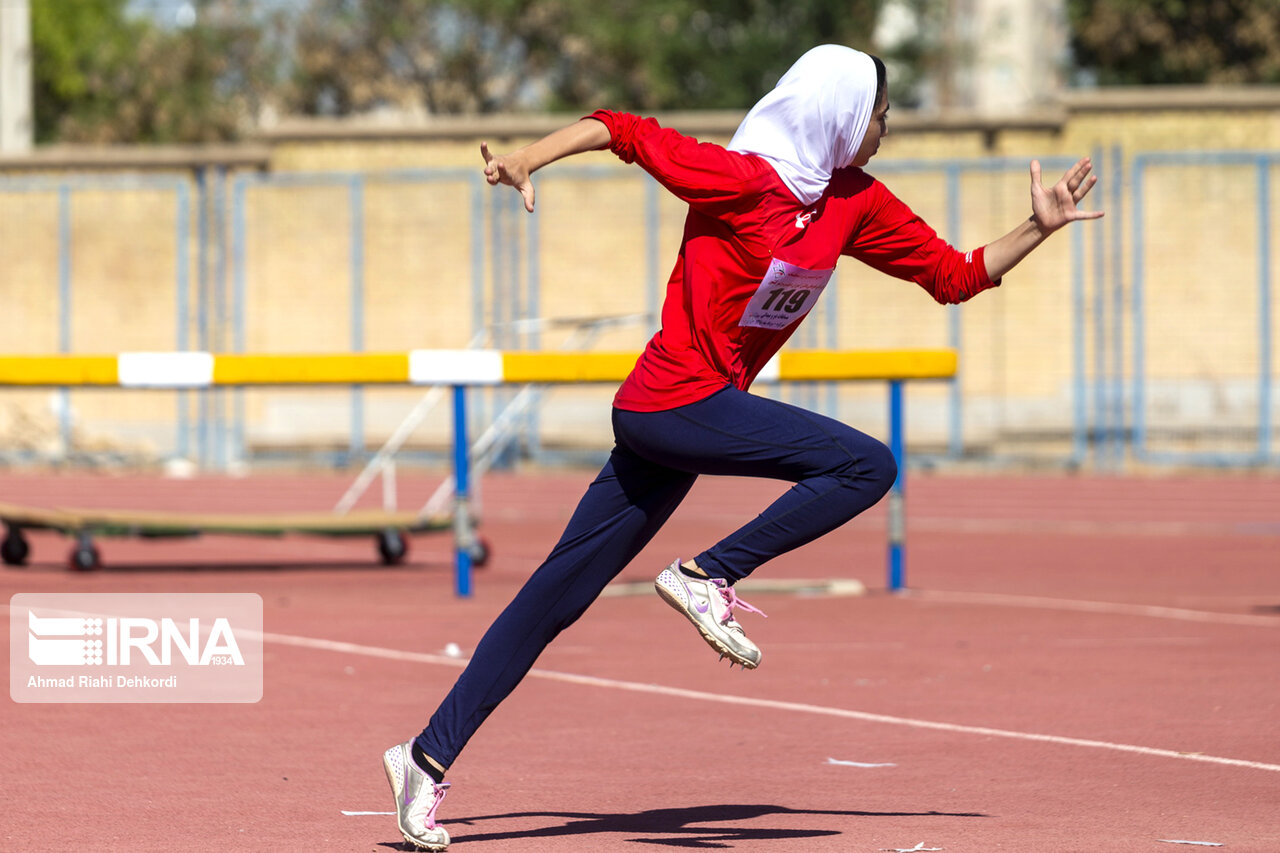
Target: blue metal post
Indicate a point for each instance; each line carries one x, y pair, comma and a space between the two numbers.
356, 200
532, 310
496, 304
515, 283
1117, 305
64, 307
241, 310
239, 286
831, 321
494, 314
1080, 441
462, 533
182, 298
1264, 309
1100, 429
897, 496
477, 256
954, 315
202, 306
533, 281
218, 308
1139, 315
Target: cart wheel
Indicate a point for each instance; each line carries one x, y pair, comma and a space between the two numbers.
392, 547
480, 551
85, 558
14, 550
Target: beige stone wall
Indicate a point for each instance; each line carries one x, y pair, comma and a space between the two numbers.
1200, 260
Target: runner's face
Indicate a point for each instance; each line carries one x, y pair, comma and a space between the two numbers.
876, 130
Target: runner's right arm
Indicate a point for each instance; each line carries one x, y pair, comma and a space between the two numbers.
708, 177
516, 169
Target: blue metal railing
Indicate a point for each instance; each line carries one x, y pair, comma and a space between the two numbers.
1111, 414
1262, 162
64, 190
953, 172
355, 184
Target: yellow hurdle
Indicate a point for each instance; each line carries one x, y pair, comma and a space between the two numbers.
431, 367
462, 368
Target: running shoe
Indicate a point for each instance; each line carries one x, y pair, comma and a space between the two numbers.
417, 798
709, 604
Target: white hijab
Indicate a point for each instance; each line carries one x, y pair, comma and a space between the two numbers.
814, 120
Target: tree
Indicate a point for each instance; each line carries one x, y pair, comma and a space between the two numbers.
103, 76
682, 54
916, 39
476, 56
1133, 42
354, 56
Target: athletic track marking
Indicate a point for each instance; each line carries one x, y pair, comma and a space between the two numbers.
799, 707
1108, 607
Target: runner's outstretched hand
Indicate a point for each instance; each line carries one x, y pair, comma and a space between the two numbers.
1054, 207
509, 169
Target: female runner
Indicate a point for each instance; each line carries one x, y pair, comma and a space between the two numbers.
768, 218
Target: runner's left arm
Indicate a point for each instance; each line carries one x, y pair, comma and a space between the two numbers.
1051, 208
890, 237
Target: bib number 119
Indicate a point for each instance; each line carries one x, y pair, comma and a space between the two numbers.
789, 300
786, 294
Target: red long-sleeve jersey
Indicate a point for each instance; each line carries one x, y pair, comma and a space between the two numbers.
754, 260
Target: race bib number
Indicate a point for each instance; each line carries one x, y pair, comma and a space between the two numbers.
787, 293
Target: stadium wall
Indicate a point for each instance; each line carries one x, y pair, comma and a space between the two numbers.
271, 270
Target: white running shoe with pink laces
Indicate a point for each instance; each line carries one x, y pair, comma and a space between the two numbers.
417, 798
709, 604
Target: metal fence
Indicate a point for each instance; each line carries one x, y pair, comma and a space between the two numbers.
1146, 337
1203, 372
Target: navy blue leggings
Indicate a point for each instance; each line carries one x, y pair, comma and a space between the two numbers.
838, 472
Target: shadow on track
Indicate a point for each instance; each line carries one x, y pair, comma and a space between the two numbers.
675, 827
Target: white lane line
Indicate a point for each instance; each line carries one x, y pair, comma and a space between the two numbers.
1193, 843
358, 649
773, 704
1100, 643
843, 763
1107, 607
1084, 527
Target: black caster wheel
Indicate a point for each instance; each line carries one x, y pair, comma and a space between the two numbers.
480, 552
392, 547
85, 558
15, 549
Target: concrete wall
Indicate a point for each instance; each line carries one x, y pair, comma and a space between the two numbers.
1018, 357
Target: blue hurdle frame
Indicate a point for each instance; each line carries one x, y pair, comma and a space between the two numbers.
464, 535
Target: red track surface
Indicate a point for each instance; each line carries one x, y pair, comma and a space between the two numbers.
1110, 614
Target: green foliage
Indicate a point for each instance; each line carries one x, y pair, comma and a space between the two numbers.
1133, 42
681, 54
77, 46
921, 56
466, 56
102, 76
